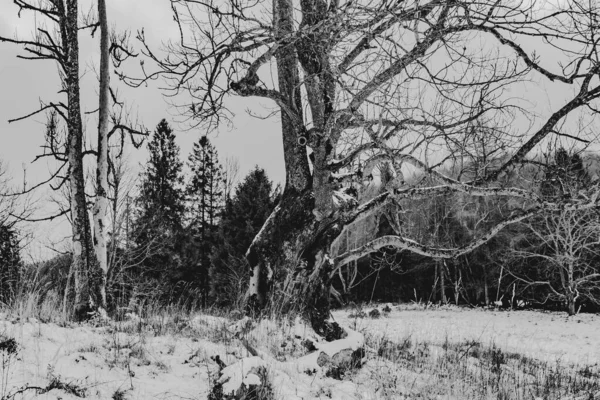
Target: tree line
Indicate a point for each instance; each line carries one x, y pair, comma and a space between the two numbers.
547, 261
177, 238
184, 238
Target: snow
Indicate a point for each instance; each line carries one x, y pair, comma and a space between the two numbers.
103, 362
136, 360
241, 372
548, 336
352, 341
343, 199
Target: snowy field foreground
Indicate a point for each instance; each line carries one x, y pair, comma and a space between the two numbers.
443, 353
548, 336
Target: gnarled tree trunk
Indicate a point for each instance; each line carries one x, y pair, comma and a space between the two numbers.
292, 247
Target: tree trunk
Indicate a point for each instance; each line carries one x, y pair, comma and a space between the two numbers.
291, 250
571, 310
101, 206
457, 283
84, 260
435, 282
499, 283
442, 282
485, 287
295, 209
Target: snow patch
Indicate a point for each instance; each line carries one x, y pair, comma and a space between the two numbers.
234, 375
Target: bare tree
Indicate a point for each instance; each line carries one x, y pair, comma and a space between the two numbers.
564, 246
12, 208
360, 82
62, 47
558, 250
101, 205
231, 171
56, 38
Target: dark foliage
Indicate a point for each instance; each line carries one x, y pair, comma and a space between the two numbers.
158, 228
241, 219
10, 263
205, 198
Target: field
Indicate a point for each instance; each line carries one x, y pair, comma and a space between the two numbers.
412, 353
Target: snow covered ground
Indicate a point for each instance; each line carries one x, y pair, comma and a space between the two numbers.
103, 362
176, 360
549, 336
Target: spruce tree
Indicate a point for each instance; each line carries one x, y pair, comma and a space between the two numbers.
205, 195
242, 218
160, 208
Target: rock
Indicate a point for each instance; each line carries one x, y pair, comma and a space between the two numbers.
374, 313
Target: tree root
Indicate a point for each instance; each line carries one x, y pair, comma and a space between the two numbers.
251, 377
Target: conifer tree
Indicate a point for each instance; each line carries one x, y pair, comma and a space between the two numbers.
161, 196
242, 218
205, 195
160, 206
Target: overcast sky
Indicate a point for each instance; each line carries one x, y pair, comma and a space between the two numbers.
23, 83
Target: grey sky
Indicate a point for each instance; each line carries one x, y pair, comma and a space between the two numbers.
22, 83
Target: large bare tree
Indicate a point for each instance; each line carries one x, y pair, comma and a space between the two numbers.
358, 82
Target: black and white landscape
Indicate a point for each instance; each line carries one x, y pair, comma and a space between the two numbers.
299, 199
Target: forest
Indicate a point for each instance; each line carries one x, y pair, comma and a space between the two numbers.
182, 239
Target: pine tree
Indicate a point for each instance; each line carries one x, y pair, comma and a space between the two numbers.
205, 195
161, 196
161, 207
242, 218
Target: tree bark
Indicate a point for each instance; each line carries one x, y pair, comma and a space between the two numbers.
101, 206
289, 223
84, 259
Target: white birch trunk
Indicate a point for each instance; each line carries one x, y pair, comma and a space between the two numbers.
101, 206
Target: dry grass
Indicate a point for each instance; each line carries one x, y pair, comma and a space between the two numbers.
469, 370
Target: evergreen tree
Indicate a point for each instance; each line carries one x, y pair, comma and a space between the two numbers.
205, 195
161, 207
241, 219
9, 263
161, 196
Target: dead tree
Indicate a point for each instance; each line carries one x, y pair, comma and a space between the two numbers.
61, 45
100, 211
56, 39
361, 82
